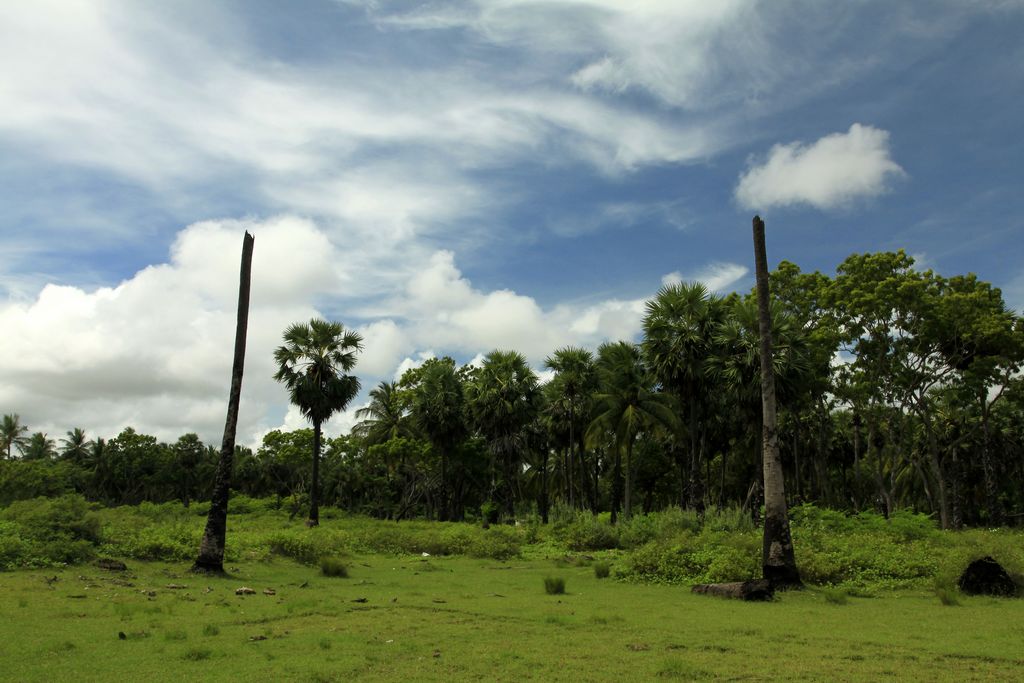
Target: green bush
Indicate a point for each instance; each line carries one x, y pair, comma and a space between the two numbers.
554, 585
48, 531
333, 566
587, 533
602, 570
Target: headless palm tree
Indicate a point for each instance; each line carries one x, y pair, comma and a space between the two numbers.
778, 559
311, 364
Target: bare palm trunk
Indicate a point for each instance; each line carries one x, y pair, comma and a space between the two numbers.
314, 488
211, 548
627, 509
779, 562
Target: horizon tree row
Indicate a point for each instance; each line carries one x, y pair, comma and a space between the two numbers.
898, 388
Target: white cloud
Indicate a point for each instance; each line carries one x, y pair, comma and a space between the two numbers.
716, 277
829, 173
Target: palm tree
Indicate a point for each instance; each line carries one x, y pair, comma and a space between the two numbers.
574, 383
627, 404
38, 447
503, 400
679, 331
385, 417
439, 411
310, 364
12, 433
75, 447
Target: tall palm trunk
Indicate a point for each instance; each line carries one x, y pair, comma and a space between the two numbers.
314, 493
778, 560
211, 548
627, 507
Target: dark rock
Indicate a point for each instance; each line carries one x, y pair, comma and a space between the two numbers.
111, 565
986, 577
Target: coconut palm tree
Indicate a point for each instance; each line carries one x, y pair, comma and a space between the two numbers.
311, 364
76, 447
503, 400
574, 384
38, 447
385, 417
12, 433
627, 404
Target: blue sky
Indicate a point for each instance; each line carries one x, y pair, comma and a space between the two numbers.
457, 176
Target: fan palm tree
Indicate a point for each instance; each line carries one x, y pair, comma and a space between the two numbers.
627, 404
12, 433
679, 328
311, 364
574, 383
438, 409
503, 400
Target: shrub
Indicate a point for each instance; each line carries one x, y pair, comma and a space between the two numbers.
554, 585
602, 570
834, 596
333, 566
587, 533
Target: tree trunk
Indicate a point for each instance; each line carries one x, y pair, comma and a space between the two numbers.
211, 548
569, 465
314, 489
992, 502
628, 506
778, 560
616, 484
544, 489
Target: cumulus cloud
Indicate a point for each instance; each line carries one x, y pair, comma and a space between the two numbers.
831, 172
154, 351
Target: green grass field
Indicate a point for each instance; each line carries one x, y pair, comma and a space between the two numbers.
457, 618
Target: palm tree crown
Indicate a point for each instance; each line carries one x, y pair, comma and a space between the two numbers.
311, 363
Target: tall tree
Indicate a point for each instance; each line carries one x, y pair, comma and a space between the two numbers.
385, 417
679, 338
12, 433
627, 404
75, 447
439, 411
39, 447
211, 548
311, 364
573, 386
778, 559
503, 400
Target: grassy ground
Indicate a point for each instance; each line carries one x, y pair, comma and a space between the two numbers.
457, 618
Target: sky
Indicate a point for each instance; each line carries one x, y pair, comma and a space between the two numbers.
448, 178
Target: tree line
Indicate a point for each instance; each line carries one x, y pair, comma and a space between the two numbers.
898, 389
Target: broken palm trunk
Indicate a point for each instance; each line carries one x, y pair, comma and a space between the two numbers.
211, 549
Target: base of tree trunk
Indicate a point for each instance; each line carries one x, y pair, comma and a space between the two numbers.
782, 577
200, 567
757, 590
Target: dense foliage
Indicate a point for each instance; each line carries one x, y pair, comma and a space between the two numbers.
900, 390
